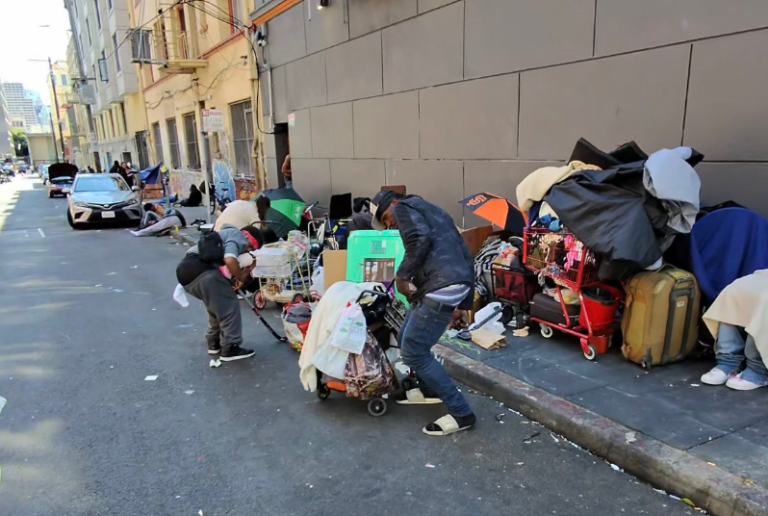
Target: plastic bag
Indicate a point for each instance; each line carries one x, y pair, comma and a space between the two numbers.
180, 296
318, 281
493, 325
296, 317
350, 331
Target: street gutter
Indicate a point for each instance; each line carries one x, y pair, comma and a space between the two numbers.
678, 472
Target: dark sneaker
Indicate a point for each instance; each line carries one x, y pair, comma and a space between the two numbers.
214, 350
233, 353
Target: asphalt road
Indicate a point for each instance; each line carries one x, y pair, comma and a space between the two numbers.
86, 316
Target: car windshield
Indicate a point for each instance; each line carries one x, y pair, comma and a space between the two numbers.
100, 184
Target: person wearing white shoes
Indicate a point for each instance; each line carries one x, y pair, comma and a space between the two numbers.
738, 318
735, 348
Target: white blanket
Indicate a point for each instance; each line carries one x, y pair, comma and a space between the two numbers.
744, 303
324, 319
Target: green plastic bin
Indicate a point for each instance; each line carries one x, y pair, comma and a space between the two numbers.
374, 256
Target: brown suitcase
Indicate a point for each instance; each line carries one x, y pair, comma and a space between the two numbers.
661, 318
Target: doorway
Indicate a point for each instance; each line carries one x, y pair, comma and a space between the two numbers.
282, 149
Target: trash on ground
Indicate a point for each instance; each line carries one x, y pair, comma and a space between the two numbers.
134, 266
520, 463
695, 385
214, 363
614, 467
488, 340
428, 465
554, 438
712, 464
521, 332
3, 401
500, 418
529, 439
630, 437
150, 378
189, 392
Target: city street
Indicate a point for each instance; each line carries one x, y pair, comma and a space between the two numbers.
87, 318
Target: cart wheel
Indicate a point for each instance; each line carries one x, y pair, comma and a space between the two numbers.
591, 352
520, 319
323, 392
547, 331
259, 301
377, 407
507, 314
298, 298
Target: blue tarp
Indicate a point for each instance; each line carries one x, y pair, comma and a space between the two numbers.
151, 176
726, 245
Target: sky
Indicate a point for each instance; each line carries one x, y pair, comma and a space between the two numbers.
22, 39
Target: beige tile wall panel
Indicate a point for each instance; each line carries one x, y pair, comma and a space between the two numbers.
272, 180
625, 25
470, 120
280, 93
429, 5
312, 179
511, 35
326, 28
439, 182
727, 116
366, 16
424, 51
332, 131
286, 41
353, 70
387, 126
362, 177
637, 97
300, 135
745, 183
305, 82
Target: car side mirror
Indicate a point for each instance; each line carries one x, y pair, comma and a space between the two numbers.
135, 188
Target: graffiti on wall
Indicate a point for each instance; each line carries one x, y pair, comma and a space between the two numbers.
246, 188
223, 179
180, 181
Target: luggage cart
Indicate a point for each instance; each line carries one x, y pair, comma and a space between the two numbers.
563, 258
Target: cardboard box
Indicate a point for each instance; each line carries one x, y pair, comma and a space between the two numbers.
334, 267
475, 237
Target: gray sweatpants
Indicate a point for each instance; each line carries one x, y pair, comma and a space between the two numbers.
225, 324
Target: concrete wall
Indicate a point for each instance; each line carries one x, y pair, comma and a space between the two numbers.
41, 148
456, 97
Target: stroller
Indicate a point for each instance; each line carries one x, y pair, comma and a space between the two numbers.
370, 376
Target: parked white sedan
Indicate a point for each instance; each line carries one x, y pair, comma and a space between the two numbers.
97, 198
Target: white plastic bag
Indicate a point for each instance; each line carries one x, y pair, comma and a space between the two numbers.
180, 296
493, 325
350, 330
318, 281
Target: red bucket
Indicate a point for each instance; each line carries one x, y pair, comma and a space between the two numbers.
598, 306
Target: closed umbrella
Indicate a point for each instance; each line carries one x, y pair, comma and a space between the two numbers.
497, 210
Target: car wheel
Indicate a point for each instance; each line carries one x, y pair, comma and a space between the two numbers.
50, 195
71, 221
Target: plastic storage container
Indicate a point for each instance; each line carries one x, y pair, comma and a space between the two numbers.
374, 256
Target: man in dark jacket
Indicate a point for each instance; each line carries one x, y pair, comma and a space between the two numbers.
437, 276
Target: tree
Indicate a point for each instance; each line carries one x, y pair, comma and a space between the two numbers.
20, 143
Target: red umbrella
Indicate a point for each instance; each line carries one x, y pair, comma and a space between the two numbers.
497, 210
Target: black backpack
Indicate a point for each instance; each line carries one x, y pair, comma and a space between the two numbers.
210, 248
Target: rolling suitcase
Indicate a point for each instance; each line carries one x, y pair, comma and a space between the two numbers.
549, 309
661, 318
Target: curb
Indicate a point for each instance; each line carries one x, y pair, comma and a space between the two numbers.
719, 492
183, 238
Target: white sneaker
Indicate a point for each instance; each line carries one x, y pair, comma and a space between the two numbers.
738, 383
715, 376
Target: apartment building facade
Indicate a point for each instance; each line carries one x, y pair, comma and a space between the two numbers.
60, 93
20, 107
453, 97
6, 141
107, 83
197, 69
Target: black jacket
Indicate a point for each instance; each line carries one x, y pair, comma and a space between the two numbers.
435, 254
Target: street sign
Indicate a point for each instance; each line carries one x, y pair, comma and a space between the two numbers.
291, 119
213, 120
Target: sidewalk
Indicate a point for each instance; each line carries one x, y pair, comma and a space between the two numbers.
708, 444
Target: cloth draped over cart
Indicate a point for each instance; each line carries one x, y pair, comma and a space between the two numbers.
743, 303
622, 220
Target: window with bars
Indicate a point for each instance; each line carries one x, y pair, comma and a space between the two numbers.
190, 139
116, 51
158, 142
143, 149
98, 14
241, 114
173, 143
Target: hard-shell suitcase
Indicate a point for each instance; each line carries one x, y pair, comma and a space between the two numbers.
661, 318
549, 309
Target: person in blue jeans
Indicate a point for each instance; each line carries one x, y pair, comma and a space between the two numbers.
734, 349
437, 276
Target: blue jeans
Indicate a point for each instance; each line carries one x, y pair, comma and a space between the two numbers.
731, 351
422, 328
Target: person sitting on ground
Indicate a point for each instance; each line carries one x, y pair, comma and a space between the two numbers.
157, 220
195, 198
437, 276
203, 280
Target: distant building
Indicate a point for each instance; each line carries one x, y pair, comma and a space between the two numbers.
6, 146
18, 103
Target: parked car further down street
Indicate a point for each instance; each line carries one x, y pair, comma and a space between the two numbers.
60, 177
96, 198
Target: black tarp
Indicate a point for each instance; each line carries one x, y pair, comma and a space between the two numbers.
613, 214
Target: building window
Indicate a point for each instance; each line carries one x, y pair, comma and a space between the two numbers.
241, 115
158, 142
98, 14
121, 108
88, 30
190, 137
116, 51
143, 149
64, 80
109, 4
103, 70
173, 143
234, 15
